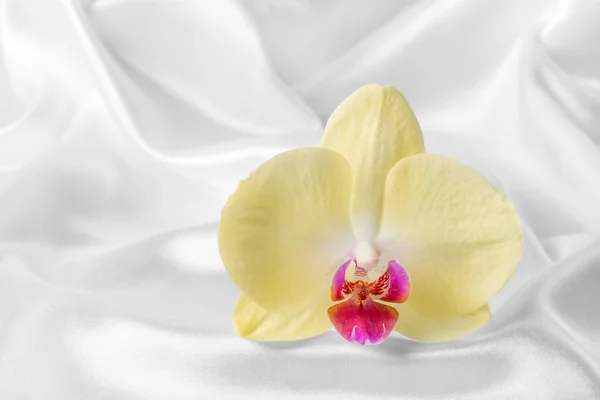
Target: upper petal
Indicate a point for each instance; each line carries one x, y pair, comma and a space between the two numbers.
373, 128
458, 237
283, 231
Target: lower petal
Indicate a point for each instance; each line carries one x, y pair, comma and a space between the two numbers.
366, 322
418, 327
253, 322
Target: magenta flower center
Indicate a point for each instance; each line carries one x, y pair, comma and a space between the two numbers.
359, 318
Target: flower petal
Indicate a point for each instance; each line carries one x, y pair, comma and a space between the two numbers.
337, 285
393, 285
373, 128
255, 323
368, 322
458, 237
283, 231
425, 329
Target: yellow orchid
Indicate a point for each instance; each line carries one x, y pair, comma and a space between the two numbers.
330, 235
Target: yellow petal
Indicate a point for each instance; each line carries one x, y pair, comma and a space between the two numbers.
255, 323
286, 229
425, 329
373, 128
458, 237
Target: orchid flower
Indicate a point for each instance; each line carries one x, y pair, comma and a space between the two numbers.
367, 233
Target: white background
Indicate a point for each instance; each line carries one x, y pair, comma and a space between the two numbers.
125, 124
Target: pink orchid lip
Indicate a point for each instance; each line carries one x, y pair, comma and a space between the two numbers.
359, 319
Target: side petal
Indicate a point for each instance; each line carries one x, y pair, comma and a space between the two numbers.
393, 285
253, 322
425, 329
458, 237
368, 322
284, 229
373, 128
337, 284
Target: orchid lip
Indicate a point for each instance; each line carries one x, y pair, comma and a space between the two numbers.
360, 318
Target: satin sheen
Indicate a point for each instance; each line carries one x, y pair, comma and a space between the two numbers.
125, 125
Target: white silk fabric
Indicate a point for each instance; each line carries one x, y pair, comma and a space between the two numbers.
125, 125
